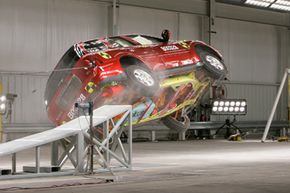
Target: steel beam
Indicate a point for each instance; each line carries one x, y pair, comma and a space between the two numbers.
14, 163
80, 152
130, 139
287, 71
37, 159
54, 153
212, 13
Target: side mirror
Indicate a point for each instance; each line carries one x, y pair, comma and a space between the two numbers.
165, 35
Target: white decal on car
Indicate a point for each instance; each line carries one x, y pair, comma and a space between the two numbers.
186, 62
72, 111
169, 48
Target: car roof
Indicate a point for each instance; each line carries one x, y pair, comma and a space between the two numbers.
127, 37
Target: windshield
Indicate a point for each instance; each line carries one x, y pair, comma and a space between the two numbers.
116, 42
62, 70
145, 40
70, 92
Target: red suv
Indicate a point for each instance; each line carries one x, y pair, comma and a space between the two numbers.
160, 78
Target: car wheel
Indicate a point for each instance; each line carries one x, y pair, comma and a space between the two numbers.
176, 125
179, 124
213, 64
142, 79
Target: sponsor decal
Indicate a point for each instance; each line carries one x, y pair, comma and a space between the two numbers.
186, 62
169, 48
184, 44
72, 111
90, 87
105, 55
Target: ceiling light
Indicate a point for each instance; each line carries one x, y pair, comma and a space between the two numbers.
261, 3
280, 6
274, 4
283, 2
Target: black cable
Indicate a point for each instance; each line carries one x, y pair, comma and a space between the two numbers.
47, 72
58, 186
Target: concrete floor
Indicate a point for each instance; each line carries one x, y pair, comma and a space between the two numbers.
193, 166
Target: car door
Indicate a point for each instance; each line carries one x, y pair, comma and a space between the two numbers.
175, 54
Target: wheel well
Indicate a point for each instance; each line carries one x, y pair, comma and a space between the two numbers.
201, 47
129, 60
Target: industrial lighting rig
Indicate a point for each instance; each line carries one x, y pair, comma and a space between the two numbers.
229, 107
6, 102
232, 107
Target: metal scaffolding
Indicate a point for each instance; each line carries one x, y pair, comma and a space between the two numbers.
75, 139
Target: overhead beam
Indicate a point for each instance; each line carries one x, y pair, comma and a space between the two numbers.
189, 6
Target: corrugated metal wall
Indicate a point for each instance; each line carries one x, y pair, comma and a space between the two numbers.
29, 105
260, 99
252, 54
34, 36
152, 21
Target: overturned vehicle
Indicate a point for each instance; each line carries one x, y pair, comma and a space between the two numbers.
161, 79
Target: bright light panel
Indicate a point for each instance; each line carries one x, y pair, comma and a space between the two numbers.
3, 98
2, 108
229, 107
216, 103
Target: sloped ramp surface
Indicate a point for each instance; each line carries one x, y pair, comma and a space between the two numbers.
70, 128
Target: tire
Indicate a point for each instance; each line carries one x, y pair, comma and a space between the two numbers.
212, 63
176, 125
142, 80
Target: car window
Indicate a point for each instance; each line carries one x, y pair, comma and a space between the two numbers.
116, 42
70, 92
145, 40
94, 46
62, 70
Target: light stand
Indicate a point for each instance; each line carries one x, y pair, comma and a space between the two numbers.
229, 107
89, 107
228, 125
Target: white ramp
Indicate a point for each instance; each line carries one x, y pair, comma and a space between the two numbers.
77, 126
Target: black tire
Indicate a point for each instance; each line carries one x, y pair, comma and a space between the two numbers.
148, 85
212, 63
176, 125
